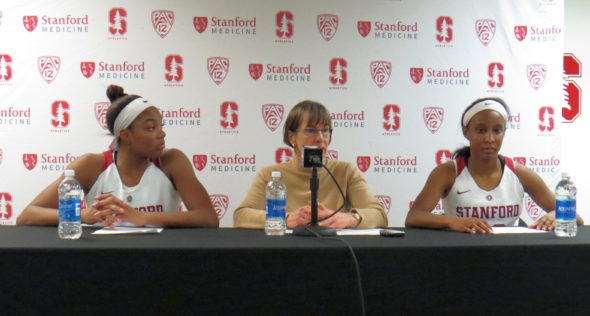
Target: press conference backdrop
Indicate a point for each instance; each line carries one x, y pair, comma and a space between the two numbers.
396, 76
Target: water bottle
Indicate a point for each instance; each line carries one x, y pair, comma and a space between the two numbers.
565, 207
276, 196
70, 197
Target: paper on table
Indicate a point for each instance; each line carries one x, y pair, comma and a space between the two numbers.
352, 232
516, 230
128, 230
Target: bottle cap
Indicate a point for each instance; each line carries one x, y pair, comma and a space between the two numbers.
276, 174
69, 173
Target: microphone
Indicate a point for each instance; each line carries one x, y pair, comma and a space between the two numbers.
312, 156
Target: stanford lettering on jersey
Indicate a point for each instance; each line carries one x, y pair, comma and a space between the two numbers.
151, 208
483, 212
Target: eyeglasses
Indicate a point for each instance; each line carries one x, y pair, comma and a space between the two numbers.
310, 132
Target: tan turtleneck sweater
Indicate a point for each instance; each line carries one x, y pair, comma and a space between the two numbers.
251, 213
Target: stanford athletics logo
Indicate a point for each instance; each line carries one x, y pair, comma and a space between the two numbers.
546, 121
87, 68
444, 31
327, 25
48, 67
5, 67
385, 201
536, 74
218, 68
30, 22
200, 161
364, 28
61, 116
220, 203
272, 115
520, 32
284, 23
391, 117
100, 113
173, 64
495, 75
338, 74
283, 155
200, 23
229, 115
416, 74
485, 28
5, 205
118, 21
443, 156
532, 208
572, 68
162, 20
433, 117
30, 161
380, 71
363, 162
255, 71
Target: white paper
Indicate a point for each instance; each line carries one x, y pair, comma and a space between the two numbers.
128, 230
516, 230
354, 232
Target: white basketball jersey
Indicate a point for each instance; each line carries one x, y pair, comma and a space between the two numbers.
499, 206
154, 192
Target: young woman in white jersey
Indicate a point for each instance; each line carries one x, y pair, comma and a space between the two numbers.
479, 187
137, 182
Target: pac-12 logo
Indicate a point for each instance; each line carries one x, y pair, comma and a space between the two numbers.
229, 115
536, 74
30, 22
338, 74
485, 29
444, 30
532, 208
433, 117
495, 75
284, 21
255, 71
416, 74
327, 25
391, 117
363, 163
200, 23
443, 156
380, 71
572, 68
87, 68
283, 155
162, 21
5, 67
173, 64
61, 117
520, 32
200, 161
272, 115
48, 67
220, 203
100, 113
364, 28
5, 205
332, 154
546, 119
118, 21
218, 68
30, 161
385, 201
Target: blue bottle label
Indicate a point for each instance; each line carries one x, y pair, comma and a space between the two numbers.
69, 210
275, 208
565, 209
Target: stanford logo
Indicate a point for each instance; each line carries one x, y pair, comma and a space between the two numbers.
433, 117
363, 162
283, 155
443, 156
520, 160
5, 67
48, 67
364, 28
327, 25
391, 117
495, 75
118, 21
255, 71
61, 116
385, 201
200, 161
200, 23
220, 203
532, 208
546, 121
416, 74
338, 74
380, 71
332, 154
173, 64
520, 32
30, 161
485, 29
572, 68
5, 205
162, 20
284, 24
229, 115
87, 68
100, 113
272, 115
218, 68
536, 74
444, 31
30, 22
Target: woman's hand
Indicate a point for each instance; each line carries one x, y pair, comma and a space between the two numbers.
547, 222
470, 225
110, 209
338, 221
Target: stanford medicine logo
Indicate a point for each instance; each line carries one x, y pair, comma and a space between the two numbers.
220, 203
520, 32
546, 119
348, 119
48, 67
173, 67
218, 67
536, 74
485, 29
229, 116
30, 161
107, 70
255, 71
53, 24
48, 162
5, 206
284, 23
87, 68
233, 164
538, 34
30, 22
398, 164
385, 201
100, 113
283, 154
200, 162
327, 25
363, 163
200, 23
5, 68
221, 26
416, 74
433, 118
495, 75
443, 156
380, 71
162, 21
444, 30
283, 73
272, 114
338, 73
391, 119
447, 77
60, 110
541, 165
118, 21
364, 28
12, 116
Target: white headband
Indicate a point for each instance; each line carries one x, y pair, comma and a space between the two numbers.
127, 116
482, 106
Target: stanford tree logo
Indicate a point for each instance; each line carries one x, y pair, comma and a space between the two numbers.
5, 206
380, 71
272, 115
162, 21
546, 119
200, 161
485, 29
536, 74
284, 21
444, 31
220, 203
443, 156
520, 32
364, 28
391, 117
385, 201
173, 65
30, 22
363, 162
327, 25
5, 68
283, 155
218, 68
48, 67
416, 74
200, 23
572, 68
255, 71
495, 75
229, 115
118, 21
338, 74
61, 117
433, 117
100, 113
87, 68
30, 161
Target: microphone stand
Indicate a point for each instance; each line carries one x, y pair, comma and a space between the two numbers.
314, 185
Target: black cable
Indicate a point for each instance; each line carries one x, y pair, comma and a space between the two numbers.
341, 193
